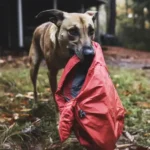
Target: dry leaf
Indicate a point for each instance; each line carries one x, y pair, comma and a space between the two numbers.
11, 99
48, 90
25, 110
24, 102
29, 95
24, 115
116, 76
5, 119
147, 134
117, 85
16, 116
143, 104
2, 61
11, 126
19, 95
8, 119
37, 122
9, 94
9, 58
126, 93
2, 120
44, 100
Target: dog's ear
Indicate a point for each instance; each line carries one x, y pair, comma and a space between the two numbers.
55, 16
93, 14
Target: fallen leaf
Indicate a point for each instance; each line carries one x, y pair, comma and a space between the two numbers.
48, 90
11, 126
140, 87
9, 94
6, 115
128, 112
117, 85
24, 115
16, 109
25, 110
24, 102
44, 100
5, 119
143, 104
16, 116
2, 61
11, 99
147, 134
2, 105
28, 97
30, 93
8, 119
2, 120
116, 76
37, 122
9, 58
142, 148
126, 93
19, 95
6, 146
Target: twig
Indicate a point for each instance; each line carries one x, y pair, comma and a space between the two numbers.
128, 136
124, 146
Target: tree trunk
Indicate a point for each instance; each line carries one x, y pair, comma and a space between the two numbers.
112, 17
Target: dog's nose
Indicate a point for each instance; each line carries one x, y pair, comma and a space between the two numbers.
88, 51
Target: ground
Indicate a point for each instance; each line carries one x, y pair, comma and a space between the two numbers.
22, 127
127, 58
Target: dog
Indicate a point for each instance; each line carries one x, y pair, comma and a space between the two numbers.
57, 40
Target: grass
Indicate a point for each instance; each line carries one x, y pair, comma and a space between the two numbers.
134, 90
16, 101
20, 129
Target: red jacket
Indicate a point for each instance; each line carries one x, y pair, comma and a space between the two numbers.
96, 114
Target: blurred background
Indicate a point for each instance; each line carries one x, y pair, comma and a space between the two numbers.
122, 29
117, 21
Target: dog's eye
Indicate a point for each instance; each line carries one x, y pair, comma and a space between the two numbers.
73, 31
91, 31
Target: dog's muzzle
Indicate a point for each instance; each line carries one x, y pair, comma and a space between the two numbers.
88, 51
88, 55
85, 54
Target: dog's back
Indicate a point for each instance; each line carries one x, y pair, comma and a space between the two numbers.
39, 36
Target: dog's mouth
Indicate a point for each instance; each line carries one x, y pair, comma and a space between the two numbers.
85, 55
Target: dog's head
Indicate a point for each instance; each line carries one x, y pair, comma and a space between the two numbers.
75, 30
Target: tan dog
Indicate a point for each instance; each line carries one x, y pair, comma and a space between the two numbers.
55, 41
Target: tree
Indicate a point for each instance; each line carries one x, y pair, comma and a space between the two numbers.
141, 10
111, 17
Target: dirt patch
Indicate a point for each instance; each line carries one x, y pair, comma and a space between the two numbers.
128, 58
114, 56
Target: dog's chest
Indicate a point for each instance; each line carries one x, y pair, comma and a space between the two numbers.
60, 62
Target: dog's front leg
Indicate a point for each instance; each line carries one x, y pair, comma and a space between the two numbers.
53, 84
53, 80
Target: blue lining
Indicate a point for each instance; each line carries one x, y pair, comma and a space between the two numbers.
80, 72
78, 81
